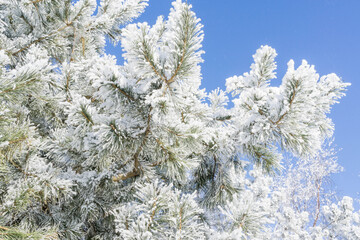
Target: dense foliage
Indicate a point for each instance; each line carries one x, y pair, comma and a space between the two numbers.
93, 150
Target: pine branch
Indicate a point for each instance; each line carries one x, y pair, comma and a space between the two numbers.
17, 140
36, 1
185, 48
172, 79
19, 86
152, 64
153, 211
134, 173
9, 233
161, 145
214, 169
41, 38
318, 185
67, 85
261, 112
180, 224
4, 228
136, 170
67, 24
17, 166
297, 84
73, 45
86, 115
123, 92
83, 46
114, 129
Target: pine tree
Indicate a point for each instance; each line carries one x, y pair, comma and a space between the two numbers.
90, 149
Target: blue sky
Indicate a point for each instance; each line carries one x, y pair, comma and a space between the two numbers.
324, 32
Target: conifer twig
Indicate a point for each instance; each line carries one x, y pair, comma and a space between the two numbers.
152, 65
136, 170
18, 86
290, 103
123, 92
40, 39
318, 185
172, 78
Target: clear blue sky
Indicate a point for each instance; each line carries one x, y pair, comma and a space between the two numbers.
324, 32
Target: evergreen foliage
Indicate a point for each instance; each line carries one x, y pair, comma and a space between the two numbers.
93, 150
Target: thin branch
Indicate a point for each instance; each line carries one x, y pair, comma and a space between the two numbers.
86, 117
180, 224
83, 45
136, 170
22, 170
67, 86
214, 170
73, 45
182, 117
17, 140
4, 228
261, 112
36, 1
173, 132
290, 103
57, 59
18, 86
40, 39
185, 43
152, 64
114, 129
317, 201
154, 210
172, 79
161, 145
123, 92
